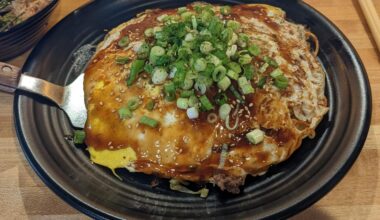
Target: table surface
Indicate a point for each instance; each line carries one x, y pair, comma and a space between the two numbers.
23, 195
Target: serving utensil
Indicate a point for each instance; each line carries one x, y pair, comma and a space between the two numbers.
69, 98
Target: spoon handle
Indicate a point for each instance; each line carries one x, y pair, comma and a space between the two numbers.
9, 77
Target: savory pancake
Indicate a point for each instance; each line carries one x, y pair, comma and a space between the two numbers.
203, 93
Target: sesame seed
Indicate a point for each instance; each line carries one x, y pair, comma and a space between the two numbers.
101, 103
109, 143
250, 105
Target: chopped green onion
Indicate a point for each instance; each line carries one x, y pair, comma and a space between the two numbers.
145, 120
256, 136
183, 52
161, 36
245, 86
187, 83
248, 71
169, 90
263, 68
206, 16
225, 10
193, 101
157, 29
143, 51
247, 89
148, 68
206, 47
150, 105
212, 118
234, 25
276, 73
242, 81
219, 73
133, 103
235, 67
181, 10
227, 34
271, 61
200, 87
281, 82
243, 40
155, 53
180, 73
136, 67
254, 50
122, 60
245, 59
231, 51
194, 22
159, 75
206, 104
163, 17
224, 83
186, 15
123, 42
200, 64
205, 32
261, 82
189, 37
149, 32
187, 93
236, 94
79, 136
182, 103
220, 98
224, 111
233, 40
192, 113
125, 113
213, 59
232, 74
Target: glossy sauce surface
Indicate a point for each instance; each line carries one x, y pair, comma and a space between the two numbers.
182, 148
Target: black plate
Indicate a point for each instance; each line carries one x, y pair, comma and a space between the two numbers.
285, 190
24, 35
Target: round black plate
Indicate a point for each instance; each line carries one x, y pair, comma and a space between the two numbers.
285, 190
23, 36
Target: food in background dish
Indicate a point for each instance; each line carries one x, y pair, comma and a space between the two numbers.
203, 93
13, 12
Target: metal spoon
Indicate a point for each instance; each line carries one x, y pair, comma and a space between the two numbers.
69, 98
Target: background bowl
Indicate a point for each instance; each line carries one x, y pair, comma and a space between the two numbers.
286, 189
23, 36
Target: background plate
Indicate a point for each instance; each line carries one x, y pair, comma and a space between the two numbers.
286, 189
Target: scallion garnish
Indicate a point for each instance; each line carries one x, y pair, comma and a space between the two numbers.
123, 42
125, 113
225, 10
122, 60
136, 67
281, 82
133, 103
205, 103
187, 93
145, 120
79, 136
150, 105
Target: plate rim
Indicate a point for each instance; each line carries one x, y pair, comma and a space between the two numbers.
73, 201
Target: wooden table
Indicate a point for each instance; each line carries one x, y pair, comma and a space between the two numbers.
357, 196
